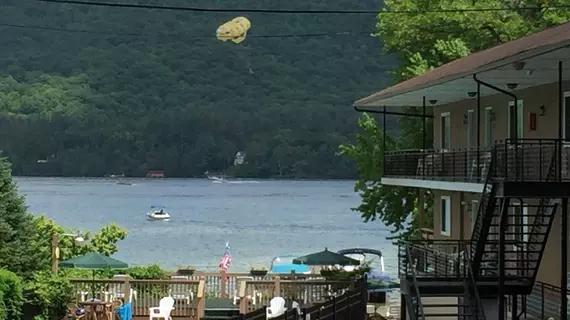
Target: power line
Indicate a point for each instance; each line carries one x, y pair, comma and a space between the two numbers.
291, 11
185, 35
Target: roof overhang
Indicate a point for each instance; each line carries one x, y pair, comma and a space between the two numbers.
540, 67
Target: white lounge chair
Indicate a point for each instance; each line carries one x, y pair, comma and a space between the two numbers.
276, 308
163, 310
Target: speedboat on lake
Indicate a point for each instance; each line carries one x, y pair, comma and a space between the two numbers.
157, 213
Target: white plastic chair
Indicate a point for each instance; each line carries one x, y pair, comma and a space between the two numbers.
163, 310
276, 308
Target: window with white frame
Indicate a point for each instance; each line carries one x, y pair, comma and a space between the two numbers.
445, 215
474, 212
446, 130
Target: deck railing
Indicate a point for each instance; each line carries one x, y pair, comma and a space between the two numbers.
222, 284
257, 293
190, 295
432, 258
516, 160
462, 165
542, 303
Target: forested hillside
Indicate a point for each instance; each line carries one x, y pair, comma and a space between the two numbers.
98, 90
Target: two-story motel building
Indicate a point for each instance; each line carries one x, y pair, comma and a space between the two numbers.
499, 173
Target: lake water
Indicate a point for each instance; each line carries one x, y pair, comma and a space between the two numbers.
260, 219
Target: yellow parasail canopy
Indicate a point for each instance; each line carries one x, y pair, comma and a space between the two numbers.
234, 30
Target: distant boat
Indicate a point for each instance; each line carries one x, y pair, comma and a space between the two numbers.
215, 178
125, 183
122, 175
158, 213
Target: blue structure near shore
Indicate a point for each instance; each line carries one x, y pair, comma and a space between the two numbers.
290, 268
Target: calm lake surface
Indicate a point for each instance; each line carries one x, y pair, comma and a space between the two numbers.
260, 219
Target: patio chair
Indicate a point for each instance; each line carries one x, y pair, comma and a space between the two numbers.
276, 308
73, 311
165, 306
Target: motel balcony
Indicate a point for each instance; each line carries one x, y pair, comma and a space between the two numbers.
512, 160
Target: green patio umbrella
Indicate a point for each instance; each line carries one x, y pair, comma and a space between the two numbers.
326, 258
93, 261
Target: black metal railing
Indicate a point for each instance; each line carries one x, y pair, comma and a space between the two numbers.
542, 303
462, 165
484, 216
526, 160
432, 258
416, 299
475, 305
516, 160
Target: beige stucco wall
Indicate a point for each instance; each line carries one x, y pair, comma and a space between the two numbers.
546, 127
533, 99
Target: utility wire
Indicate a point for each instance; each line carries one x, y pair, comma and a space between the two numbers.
291, 11
185, 35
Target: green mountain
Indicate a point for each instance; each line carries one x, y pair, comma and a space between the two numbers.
88, 90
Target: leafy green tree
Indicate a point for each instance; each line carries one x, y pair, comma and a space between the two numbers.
103, 241
422, 42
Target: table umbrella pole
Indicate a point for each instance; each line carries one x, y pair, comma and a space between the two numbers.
93, 287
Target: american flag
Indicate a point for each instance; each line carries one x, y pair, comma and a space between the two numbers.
226, 259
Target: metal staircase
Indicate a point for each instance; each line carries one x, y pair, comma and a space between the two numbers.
462, 304
525, 239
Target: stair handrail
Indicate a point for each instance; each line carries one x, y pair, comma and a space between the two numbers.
471, 276
420, 306
482, 209
536, 224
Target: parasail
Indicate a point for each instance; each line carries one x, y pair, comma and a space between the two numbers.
234, 30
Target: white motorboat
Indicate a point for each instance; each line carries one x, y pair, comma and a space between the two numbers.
215, 178
157, 213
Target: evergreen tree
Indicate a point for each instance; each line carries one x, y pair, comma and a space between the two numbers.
16, 227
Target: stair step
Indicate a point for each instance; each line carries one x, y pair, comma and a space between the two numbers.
442, 315
443, 305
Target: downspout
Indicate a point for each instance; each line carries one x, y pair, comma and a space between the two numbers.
478, 131
564, 212
504, 204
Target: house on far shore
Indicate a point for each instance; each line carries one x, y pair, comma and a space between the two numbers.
499, 173
155, 174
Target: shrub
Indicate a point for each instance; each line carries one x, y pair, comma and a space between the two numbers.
50, 293
11, 296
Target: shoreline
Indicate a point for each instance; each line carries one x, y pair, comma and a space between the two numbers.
183, 178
